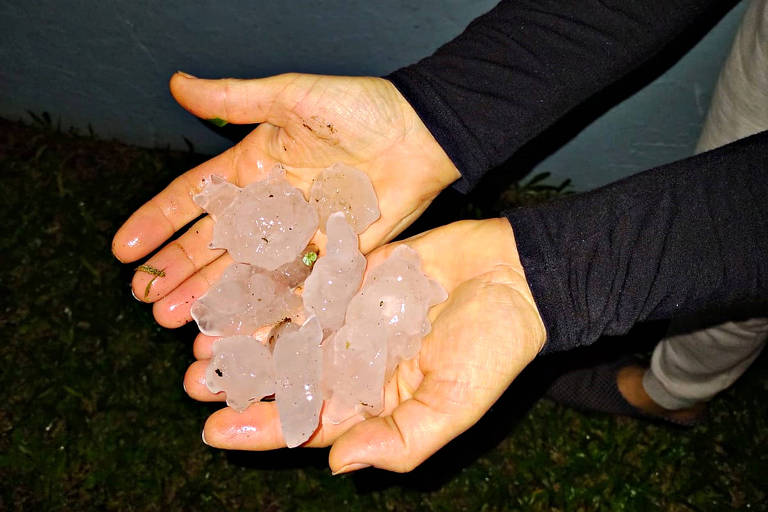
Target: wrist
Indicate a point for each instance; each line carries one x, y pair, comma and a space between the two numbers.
516, 278
442, 170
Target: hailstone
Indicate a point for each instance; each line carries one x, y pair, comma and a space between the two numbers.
242, 300
341, 188
354, 364
217, 196
397, 294
298, 362
266, 224
384, 324
336, 276
243, 368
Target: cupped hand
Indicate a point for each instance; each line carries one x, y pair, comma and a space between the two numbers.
307, 122
482, 337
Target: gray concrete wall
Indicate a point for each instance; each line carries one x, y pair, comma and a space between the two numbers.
106, 63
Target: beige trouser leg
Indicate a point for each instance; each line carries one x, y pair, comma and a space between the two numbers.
695, 366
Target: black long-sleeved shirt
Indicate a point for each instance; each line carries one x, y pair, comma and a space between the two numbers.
677, 239
520, 67
688, 237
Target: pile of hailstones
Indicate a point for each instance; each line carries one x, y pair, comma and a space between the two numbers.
332, 337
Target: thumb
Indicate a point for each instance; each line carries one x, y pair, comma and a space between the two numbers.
237, 101
401, 441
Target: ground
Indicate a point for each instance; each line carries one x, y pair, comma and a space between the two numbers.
93, 415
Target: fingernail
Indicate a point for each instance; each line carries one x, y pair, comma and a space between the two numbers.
185, 75
204, 441
184, 385
134, 295
351, 467
216, 121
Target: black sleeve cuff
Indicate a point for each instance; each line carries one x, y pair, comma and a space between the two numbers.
685, 238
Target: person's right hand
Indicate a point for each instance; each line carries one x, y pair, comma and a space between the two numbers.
308, 122
482, 336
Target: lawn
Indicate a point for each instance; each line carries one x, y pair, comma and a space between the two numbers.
93, 415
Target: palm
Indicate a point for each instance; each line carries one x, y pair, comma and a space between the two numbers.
482, 337
307, 122
360, 121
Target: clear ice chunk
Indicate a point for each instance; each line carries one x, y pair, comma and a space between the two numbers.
241, 367
342, 188
396, 296
217, 196
336, 276
298, 362
267, 224
354, 363
384, 325
242, 300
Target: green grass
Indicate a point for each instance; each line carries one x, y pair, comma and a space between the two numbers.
93, 416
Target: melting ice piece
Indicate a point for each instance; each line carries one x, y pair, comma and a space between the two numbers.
384, 324
217, 196
241, 367
298, 362
267, 224
336, 276
296, 272
396, 295
396, 298
242, 300
341, 188
354, 363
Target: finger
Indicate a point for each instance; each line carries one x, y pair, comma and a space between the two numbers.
239, 101
173, 309
194, 383
170, 210
258, 428
203, 346
178, 261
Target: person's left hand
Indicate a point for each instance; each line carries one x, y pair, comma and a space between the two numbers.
307, 122
487, 331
